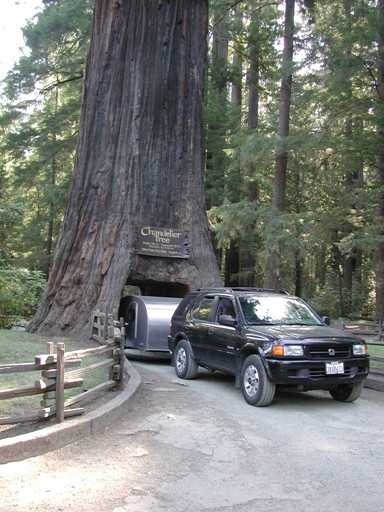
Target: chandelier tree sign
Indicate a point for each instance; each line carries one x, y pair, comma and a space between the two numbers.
163, 242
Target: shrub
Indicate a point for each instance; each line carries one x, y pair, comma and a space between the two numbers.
20, 292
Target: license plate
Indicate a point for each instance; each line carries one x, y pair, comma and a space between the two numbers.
334, 368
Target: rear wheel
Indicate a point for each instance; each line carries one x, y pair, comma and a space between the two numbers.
185, 366
347, 392
257, 389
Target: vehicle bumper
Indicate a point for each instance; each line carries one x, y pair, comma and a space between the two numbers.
312, 374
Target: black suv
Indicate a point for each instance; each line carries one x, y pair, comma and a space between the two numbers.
265, 338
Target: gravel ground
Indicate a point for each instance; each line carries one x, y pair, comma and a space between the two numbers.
197, 446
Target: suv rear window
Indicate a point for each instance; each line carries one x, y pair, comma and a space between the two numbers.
184, 305
202, 310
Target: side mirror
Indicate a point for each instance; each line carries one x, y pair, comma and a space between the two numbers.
227, 320
326, 320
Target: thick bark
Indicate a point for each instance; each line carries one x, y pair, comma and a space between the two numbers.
139, 163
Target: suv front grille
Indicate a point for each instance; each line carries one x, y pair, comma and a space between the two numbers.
329, 351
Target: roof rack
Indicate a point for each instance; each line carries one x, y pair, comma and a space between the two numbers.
251, 289
241, 289
215, 289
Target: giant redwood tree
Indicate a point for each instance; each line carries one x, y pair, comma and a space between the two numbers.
139, 167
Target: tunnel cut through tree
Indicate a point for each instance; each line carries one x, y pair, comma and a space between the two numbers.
139, 164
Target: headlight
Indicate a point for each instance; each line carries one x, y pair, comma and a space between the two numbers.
360, 350
288, 350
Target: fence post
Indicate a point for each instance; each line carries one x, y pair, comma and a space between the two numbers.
122, 354
106, 325
60, 383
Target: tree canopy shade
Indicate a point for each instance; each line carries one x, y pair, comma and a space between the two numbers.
139, 163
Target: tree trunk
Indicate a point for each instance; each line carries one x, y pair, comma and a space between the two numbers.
379, 264
248, 262
285, 107
232, 253
353, 173
216, 159
254, 78
52, 202
273, 263
139, 163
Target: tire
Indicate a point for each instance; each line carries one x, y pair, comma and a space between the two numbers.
347, 392
185, 366
257, 389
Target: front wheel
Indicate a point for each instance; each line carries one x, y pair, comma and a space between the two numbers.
257, 389
185, 366
347, 392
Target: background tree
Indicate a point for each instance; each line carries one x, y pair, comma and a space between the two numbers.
379, 261
39, 126
252, 30
281, 162
326, 222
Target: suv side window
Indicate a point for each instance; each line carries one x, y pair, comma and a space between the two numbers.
202, 310
225, 308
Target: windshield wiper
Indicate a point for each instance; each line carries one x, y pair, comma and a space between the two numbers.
263, 323
305, 324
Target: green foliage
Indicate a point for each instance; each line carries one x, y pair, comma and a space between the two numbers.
20, 292
10, 217
331, 299
326, 301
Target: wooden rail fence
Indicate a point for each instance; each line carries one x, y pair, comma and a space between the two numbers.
372, 332
104, 326
55, 379
364, 329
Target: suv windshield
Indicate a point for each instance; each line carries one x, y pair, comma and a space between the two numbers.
276, 310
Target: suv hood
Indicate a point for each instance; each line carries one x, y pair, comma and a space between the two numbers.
300, 332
